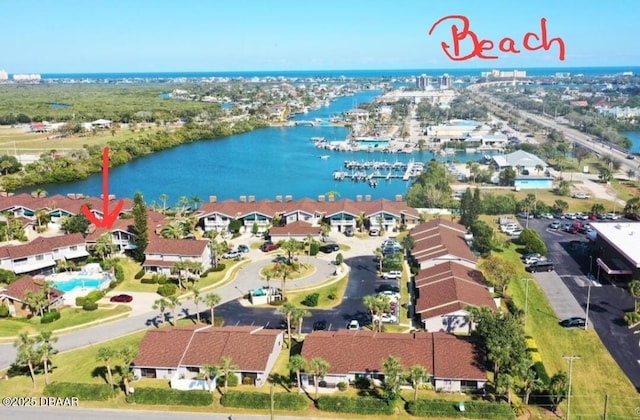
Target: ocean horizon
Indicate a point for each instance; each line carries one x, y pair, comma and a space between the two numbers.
347, 73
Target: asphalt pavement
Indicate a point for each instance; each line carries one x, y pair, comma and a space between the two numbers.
607, 304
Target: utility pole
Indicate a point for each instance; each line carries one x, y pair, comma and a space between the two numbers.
570, 359
271, 397
586, 319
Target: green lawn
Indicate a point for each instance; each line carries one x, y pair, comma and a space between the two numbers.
70, 317
324, 302
595, 375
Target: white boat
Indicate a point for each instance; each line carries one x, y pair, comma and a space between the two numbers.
324, 156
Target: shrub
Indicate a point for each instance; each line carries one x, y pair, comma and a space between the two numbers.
119, 273
93, 392
532, 242
4, 311
171, 397
473, 409
149, 281
362, 383
90, 306
314, 248
94, 296
167, 289
140, 274
333, 294
262, 401
50, 316
359, 405
81, 300
513, 308
233, 380
342, 386
217, 268
7, 276
311, 300
160, 278
339, 258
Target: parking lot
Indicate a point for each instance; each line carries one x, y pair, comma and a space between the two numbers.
608, 302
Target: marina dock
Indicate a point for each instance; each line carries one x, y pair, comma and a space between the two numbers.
373, 171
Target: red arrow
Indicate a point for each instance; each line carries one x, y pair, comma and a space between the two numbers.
107, 218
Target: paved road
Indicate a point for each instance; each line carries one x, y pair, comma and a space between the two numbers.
83, 414
362, 281
608, 303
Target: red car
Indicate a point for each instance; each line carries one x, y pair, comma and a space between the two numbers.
268, 247
121, 298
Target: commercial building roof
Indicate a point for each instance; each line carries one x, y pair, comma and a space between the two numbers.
623, 237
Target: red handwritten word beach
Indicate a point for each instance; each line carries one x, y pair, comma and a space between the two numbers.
531, 41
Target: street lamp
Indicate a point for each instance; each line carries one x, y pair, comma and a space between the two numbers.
570, 359
590, 266
526, 299
586, 319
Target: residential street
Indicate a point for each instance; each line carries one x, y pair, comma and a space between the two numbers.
362, 281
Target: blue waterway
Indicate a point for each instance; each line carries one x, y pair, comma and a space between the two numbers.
535, 71
634, 136
263, 163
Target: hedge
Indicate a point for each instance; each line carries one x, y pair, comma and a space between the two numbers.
119, 273
167, 289
541, 372
356, 405
171, 397
472, 409
81, 300
261, 401
50, 316
148, 281
94, 392
140, 274
90, 306
219, 267
94, 296
311, 300
4, 311
233, 379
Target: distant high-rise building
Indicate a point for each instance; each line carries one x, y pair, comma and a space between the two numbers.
4, 75
446, 82
423, 82
33, 77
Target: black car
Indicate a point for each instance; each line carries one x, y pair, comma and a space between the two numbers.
329, 248
573, 322
386, 287
539, 266
319, 325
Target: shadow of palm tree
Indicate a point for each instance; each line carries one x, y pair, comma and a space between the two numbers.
280, 380
100, 372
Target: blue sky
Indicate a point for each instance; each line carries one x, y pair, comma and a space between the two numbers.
65, 36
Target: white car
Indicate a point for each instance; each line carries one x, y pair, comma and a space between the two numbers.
392, 275
611, 216
353, 325
386, 318
374, 232
232, 255
515, 232
581, 195
390, 294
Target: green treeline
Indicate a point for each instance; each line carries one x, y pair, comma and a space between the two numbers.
84, 162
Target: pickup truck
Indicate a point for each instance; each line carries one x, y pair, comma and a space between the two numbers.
392, 275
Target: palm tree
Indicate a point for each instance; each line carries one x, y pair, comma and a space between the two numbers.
210, 372
161, 305
172, 303
318, 367
383, 304
299, 314
173, 230
392, 373
197, 298
178, 268
104, 246
380, 256
371, 303
416, 375
530, 383
43, 218
163, 200
296, 364
46, 350
226, 366
288, 310
539, 168
27, 354
106, 355
361, 221
127, 354
182, 207
291, 247
195, 200
634, 289
282, 270
309, 241
36, 301
212, 300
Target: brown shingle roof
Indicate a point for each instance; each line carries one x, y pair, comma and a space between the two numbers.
19, 289
364, 351
248, 347
183, 247
438, 238
41, 245
60, 202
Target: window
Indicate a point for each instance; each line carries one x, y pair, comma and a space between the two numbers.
74, 248
19, 260
39, 257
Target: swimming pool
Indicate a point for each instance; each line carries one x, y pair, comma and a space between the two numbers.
69, 285
373, 143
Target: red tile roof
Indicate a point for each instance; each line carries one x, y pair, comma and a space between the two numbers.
364, 351
41, 245
19, 288
297, 228
54, 202
438, 238
248, 347
182, 247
